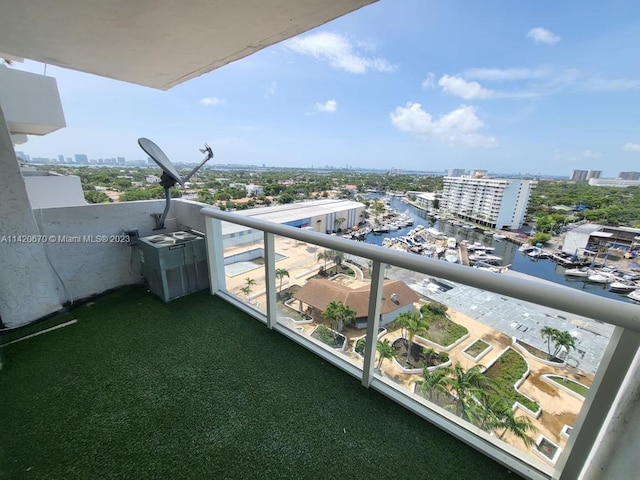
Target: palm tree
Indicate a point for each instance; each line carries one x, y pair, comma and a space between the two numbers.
337, 222
323, 256
467, 386
338, 314
249, 283
416, 325
435, 384
504, 418
280, 274
385, 351
563, 339
337, 256
549, 333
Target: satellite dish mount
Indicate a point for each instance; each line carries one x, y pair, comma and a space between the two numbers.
170, 175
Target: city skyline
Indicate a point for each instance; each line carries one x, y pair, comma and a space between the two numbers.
418, 86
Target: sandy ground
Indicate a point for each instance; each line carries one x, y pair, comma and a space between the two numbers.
558, 407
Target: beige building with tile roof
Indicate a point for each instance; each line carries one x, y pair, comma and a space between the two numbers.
397, 297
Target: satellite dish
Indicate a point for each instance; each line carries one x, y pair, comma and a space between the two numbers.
161, 159
170, 175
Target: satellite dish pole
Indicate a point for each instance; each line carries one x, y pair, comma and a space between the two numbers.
170, 175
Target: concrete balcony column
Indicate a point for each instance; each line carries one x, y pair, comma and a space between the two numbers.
28, 285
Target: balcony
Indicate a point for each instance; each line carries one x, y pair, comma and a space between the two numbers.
195, 388
131, 337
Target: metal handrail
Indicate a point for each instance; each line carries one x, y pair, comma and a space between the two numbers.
559, 297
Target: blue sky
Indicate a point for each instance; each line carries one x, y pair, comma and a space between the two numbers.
538, 87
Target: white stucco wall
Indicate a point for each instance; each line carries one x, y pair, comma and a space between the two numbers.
46, 191
28, 287
90, 267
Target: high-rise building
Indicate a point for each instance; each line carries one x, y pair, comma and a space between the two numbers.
60, 158
584, 175
456, 172
629, 176
579, 175
494, 202
121, 161
81, 158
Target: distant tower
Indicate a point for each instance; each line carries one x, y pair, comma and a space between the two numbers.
456, 172
579, 175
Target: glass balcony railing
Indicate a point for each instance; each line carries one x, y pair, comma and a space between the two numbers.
521, 370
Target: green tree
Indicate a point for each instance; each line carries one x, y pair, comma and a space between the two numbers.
414, 325
506, 420
337, 222
385, 352
549, 333
539, 237
467, 386
338, 314
249, 282
93, 196
435, 385
280, 274
563, 339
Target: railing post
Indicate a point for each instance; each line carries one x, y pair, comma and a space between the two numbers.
215, 254
615, 365
373, 322
270, 278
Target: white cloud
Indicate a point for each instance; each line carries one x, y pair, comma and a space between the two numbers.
497, 74
339, 51
211, 101
330, 106
542, 35
458, 127
271, 90
631, 147
430, 81
591, 154
459, 87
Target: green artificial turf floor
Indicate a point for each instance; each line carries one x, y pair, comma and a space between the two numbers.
141, 389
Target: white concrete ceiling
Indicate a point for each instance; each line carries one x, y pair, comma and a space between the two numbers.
156, 43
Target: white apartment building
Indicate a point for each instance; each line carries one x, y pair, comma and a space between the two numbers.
494, 202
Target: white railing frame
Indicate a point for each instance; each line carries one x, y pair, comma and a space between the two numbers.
613, 368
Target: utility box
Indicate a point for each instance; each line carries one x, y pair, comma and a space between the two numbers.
174, 264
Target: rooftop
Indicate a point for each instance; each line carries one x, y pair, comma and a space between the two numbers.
195, 388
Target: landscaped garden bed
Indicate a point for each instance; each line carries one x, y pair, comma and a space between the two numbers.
571, 385
507, 371
418, 358
443, 332
547, 449
329, 337
538, 354
477, 350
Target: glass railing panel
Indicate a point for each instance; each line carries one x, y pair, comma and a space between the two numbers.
314, 285
518, 371
244, 264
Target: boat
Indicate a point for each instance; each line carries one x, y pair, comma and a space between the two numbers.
499, 237
451, 255
451, 242
488, 233
526, 248
537, 253
623, 286
578, 272
635, 295
602, 277
468, 226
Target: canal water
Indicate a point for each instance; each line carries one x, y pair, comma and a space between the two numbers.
519, 262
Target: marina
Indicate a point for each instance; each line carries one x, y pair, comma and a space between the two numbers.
540, 264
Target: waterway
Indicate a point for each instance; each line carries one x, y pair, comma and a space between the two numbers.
518, 262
